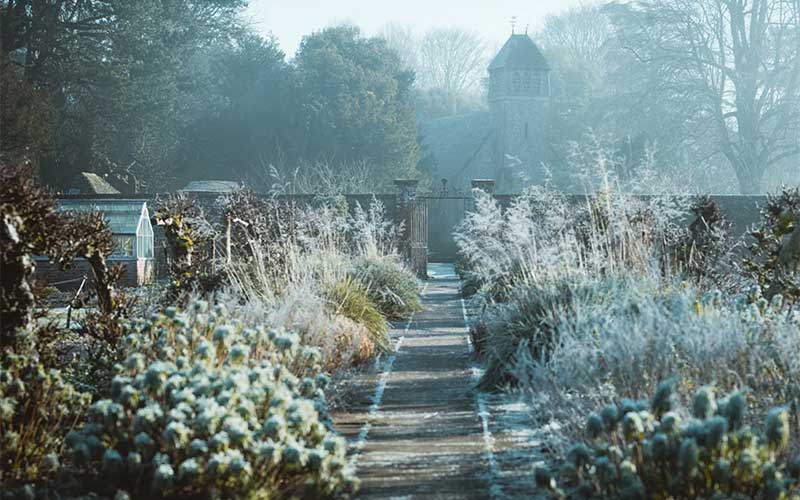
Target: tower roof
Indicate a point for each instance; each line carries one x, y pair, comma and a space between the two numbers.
519, 52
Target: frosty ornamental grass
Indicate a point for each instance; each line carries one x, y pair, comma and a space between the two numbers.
591, 307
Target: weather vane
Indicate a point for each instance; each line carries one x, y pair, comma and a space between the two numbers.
513, 23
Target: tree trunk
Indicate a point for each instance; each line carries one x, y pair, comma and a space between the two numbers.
749, 174
103, 284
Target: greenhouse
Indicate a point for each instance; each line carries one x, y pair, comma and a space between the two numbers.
129, 221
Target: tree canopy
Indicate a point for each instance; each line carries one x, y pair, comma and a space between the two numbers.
153, 93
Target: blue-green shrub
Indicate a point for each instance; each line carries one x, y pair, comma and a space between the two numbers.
203, 406
643, 451
37, 407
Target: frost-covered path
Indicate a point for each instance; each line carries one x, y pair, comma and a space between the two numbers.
417, 427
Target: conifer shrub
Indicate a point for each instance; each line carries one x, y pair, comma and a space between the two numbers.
350, 299
203, 406
390, 286
641, 450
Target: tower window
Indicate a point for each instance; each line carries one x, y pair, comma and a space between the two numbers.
516, 82
526, 81
537, 83
526, 130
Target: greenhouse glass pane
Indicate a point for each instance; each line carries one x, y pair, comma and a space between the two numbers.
123, 245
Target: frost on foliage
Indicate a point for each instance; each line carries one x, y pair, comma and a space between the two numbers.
37, 406
644, 450
205, 405
543, 236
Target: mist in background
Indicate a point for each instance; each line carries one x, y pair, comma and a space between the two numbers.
667, 95
290, 20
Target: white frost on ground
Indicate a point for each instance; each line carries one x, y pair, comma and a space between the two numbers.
495, 491
515, 439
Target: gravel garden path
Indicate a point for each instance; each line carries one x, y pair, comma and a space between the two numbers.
416, 426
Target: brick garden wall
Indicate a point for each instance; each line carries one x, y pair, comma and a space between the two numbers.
137, 272
743, 212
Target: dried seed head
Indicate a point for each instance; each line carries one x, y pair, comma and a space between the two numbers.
722, 472
663, 399
778, 429
633, 427
544, 478
716, 429
610, 416
688, 457
735, 410
579, 455
705, 405
594, 425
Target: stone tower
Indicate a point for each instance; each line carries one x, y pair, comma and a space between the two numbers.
519, 91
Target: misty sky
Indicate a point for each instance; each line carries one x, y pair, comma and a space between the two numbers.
289, 20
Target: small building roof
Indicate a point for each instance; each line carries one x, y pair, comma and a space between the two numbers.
221, 187
89, 183
123, 216
521, 53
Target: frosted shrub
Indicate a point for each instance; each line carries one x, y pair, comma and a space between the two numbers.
337, 279
390, 286
655, 450
585, 342
529, 322
319, 248
372, 233
37, 407
707, 240
481, 241
206, 406
341, 341
349, 298
542, 236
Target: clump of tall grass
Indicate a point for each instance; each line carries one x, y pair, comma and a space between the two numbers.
328, 264
389, 286
350, 299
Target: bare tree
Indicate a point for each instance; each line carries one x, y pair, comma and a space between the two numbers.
736, 61
404, 41
452, 60
580, 32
